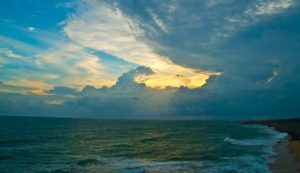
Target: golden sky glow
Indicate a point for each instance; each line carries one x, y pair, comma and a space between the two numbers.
39, 91
119, 35
75, 62
162, 81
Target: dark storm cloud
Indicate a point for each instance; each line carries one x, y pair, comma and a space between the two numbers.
62, 90
126, 99
254, 43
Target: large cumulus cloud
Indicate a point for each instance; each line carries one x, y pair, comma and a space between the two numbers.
126, 99
254, 43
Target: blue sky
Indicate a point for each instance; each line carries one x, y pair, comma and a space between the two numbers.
210, 59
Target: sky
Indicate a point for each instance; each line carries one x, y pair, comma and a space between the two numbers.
150, 59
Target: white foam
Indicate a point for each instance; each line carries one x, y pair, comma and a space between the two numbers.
241, 164
272, 138
247, 142
280, 136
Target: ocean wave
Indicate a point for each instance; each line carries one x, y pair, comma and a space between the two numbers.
272, 138
241, 164
247, 142
87, 162
274, 133
157, 137
17, 141
280, 135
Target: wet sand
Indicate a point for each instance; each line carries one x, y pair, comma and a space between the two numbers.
287, 158
295, 148
284, 160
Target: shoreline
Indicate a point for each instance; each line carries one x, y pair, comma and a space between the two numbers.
287, 150
284, 158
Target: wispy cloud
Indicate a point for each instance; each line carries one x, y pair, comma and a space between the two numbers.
62, 62
272, 7
11, 43
8, 88
30, 29
253, 13
77, 65
158, 21
271, 78
9, 53
30, 84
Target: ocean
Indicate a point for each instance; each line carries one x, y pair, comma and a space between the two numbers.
61, 145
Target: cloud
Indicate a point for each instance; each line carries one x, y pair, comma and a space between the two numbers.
63, 91
9, 53
77, 65
7, 42
7, 88
159, 22
55, 102
253, 13
106, 28
30, 83
253, 43
273, 7
274, 74
126, 99
62, 63
30, 29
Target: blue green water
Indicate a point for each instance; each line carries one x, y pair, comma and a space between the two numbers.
54, 145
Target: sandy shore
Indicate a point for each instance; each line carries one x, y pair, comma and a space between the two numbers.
285, 158
295, 148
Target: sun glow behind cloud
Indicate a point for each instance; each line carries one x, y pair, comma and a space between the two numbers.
105, 28
162, 81
70, 57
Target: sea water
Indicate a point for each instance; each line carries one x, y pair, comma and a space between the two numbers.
59, 145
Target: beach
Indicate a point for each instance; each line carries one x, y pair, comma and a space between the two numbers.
287, 150
284, 160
